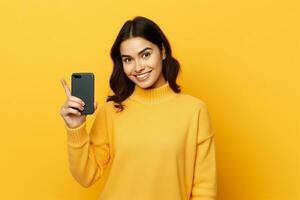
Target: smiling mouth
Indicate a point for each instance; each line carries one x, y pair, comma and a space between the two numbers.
142, 73
142, 77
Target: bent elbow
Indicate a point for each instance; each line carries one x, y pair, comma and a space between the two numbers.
85, 184
84, 179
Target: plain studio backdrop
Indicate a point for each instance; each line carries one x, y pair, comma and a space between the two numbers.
240, 57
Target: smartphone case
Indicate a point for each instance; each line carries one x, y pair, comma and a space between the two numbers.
82, 86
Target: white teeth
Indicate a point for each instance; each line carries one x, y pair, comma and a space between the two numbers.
143, 75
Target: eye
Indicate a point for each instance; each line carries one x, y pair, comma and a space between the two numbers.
126, 60
147, 54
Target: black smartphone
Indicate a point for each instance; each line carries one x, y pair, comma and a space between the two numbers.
82, 86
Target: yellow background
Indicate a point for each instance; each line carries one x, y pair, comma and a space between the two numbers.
240, 57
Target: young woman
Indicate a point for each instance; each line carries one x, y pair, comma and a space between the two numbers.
158, 142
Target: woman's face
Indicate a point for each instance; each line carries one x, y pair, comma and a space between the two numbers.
142, 62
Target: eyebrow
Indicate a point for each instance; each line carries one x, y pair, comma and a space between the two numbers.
138, 53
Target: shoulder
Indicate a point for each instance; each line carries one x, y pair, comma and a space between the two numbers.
107, 106
192, 101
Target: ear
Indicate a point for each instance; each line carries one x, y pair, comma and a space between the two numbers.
163, 51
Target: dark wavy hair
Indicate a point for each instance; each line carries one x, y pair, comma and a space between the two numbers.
120, 84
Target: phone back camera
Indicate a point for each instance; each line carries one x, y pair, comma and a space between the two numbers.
77, 76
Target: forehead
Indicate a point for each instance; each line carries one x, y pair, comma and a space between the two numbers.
134, 45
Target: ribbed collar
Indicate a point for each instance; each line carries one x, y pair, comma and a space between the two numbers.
153, 96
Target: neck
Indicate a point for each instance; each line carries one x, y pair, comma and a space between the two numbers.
153, 95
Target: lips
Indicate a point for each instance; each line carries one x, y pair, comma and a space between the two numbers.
142, 73
143, 76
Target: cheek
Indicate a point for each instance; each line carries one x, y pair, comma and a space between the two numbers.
155, 62
127, 69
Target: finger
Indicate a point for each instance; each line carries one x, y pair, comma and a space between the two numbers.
77, 100
95, 105
66, 88
65, 111
73, 111
73, 104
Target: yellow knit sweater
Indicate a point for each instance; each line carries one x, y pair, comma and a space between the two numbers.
160, 147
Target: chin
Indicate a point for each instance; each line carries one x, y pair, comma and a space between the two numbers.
145, 85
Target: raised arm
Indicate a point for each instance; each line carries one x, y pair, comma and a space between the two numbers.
88, 154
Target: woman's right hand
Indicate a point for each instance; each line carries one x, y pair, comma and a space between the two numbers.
71, 116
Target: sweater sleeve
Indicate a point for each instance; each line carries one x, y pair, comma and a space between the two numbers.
205, 180
88, 153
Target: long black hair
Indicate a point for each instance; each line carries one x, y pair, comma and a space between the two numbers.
140, 26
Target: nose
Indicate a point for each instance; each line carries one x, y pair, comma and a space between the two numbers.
139, 67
